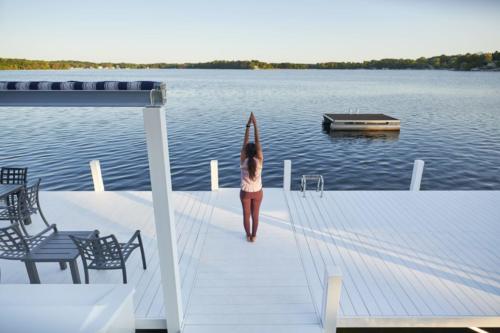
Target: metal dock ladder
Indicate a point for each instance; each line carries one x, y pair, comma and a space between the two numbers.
312, 178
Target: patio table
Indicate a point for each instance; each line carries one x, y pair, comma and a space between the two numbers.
57, 247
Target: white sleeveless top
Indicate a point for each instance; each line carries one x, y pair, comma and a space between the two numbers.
248, 184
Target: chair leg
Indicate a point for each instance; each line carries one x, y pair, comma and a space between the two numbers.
143, 256
32, 272
124, 272
86, 272
27, 220
75, 274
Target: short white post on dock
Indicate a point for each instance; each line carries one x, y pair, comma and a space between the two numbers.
416, 177
163, 206
214, 172
332, 285
95, 169
287, 175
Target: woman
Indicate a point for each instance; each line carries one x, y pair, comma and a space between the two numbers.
251, 159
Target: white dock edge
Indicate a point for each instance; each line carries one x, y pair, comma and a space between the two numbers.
95, 169
432, 227
419, 322
287, 175
416, 177
332, 285
214, 175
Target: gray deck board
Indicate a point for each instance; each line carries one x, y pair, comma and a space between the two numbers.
428, 258
407, 258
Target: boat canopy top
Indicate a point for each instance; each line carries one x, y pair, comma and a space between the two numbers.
82, 93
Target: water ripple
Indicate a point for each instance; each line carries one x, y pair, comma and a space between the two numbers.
449, 119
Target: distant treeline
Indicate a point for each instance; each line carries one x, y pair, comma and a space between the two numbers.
465, 62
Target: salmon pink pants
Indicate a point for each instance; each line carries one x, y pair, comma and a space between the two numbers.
251, 205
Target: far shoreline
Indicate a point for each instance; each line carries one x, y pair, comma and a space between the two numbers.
489, 61
474, 70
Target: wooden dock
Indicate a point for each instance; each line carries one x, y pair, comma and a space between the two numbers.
360, 122
408, 259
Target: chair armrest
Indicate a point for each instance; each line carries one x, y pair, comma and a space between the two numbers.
136, 234
50, 227
31, 182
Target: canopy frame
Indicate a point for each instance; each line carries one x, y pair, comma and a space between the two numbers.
64, 94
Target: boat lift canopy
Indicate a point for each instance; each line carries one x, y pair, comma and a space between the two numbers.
151, 96
82, 94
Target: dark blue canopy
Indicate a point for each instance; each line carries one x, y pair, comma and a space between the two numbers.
82, 93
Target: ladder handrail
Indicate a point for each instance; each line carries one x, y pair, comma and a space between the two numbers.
319, 186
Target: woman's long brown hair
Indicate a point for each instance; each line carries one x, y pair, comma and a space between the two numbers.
251, 151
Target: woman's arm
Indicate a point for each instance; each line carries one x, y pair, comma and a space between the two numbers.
260, 156
243, 154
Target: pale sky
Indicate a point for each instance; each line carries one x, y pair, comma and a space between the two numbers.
269, 30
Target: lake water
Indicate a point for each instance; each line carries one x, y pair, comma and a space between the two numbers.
449, 119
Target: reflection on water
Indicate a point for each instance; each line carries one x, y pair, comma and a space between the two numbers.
449, 119
369, 135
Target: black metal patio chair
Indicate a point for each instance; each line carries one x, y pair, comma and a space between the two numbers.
15, 246
106, 253
9, 175
19, 207
33, 197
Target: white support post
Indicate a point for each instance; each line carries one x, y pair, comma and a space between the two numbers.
332, 285
287, 175
416, 177
214, 172
163, 205
95, 169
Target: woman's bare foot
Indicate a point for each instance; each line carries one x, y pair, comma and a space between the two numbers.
253, 238
249, 238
